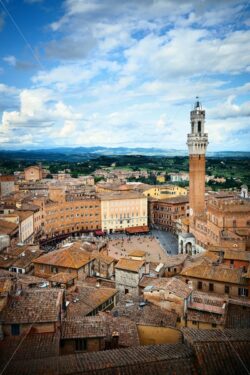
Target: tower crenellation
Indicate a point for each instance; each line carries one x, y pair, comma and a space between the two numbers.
197, 140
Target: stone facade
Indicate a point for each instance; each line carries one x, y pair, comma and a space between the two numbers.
33, 173
123, 210
7, 185
164, 214
127, 280
72, 216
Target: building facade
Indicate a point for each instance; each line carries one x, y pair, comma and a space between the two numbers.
69, 216
7, 185
123, 210
33, 173
163, 214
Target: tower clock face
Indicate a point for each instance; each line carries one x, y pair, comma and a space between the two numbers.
191, 212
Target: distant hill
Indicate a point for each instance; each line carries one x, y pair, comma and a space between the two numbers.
80, 153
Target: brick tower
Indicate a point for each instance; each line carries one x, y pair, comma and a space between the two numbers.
197, 142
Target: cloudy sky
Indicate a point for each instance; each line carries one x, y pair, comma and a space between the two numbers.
123, 73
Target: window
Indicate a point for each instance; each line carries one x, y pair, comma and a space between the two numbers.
194, 322
81, 344
243, 292
126, 291
15, 329
214, 325
226, 289
211, 287
54, 269
199, 285
199, 126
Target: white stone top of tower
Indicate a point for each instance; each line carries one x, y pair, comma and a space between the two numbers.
197, 140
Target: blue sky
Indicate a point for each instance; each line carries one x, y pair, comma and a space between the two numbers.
123, 73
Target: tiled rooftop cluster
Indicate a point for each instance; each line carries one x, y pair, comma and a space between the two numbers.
33, 305
145, 314
202, 357
102, 326
86, 299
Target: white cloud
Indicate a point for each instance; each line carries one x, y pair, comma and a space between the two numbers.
127, 73
39, 117
68, 129
229, 109
11, 60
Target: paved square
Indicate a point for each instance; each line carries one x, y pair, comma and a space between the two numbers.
121, 247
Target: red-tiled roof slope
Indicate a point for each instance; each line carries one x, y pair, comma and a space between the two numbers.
70, 257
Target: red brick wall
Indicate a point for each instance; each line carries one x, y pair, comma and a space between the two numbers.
197, 183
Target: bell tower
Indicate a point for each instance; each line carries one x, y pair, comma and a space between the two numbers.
197, 142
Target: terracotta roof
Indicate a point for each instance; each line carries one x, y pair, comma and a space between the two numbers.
63, 277
29, 207
237, 255
204, 335
121, 195
238, 316
7, 178
42, 345
70, 257
172, 285
211, 256
175, 260
130, 264
175, 200
33, 305
224, 352
216, 273
150, 360
23, 279
223, 358
103, 257
91, 326
146, 280
6, 261
102, 326
137, 253
7, 227
86, 299
23, 215
127, 329
144, 313
26, 258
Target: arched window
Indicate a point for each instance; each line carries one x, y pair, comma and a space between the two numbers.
199, 126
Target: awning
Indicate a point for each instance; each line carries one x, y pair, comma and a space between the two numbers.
99, 233
135, 230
